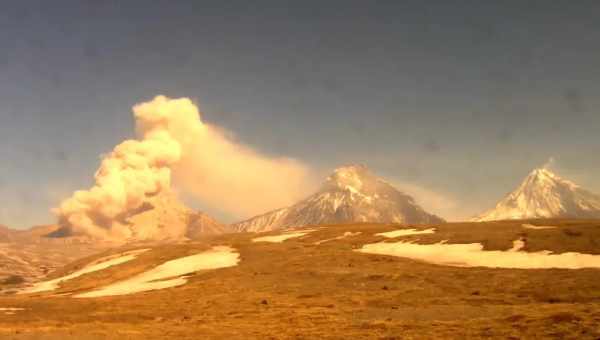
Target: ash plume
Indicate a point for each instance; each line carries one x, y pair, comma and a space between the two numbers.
204, 161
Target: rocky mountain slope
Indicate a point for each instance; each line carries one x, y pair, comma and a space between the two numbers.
350, 194
201, 224
543, 194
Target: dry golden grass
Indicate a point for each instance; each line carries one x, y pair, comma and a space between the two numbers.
297, 289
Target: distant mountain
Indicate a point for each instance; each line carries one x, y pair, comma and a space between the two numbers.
163, 217
545, 195
31, 235
200, 224
350, 194
5, 234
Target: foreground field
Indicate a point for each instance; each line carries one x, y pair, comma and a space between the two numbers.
317, 286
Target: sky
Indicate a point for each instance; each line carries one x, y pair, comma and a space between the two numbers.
456, 101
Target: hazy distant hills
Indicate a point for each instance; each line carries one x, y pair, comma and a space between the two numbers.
5, 233
349, 194
543, 194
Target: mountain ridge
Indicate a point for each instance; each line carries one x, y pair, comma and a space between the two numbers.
350, 194
543, 194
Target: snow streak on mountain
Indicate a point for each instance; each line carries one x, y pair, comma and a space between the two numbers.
350, 194
545, 195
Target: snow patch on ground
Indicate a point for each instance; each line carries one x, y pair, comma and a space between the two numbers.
10, 310
531, 226
282, 237
406, 232
473, 255
346, 234
95, 266
170, 274
517, 245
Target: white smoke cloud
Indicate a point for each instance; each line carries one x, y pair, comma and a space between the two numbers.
206, 163
134, 170
227, 176
441, 204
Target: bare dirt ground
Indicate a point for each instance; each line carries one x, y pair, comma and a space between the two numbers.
299, 289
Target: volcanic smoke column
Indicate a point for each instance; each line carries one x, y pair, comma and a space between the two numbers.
134, 170
205, 160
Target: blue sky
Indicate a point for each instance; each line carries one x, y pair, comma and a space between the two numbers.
461, 98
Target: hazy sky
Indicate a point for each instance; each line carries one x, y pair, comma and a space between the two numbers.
459, 98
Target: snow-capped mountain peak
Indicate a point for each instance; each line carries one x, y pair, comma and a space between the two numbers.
545, 177
350, 194
349, 177
543, 194
355, 180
